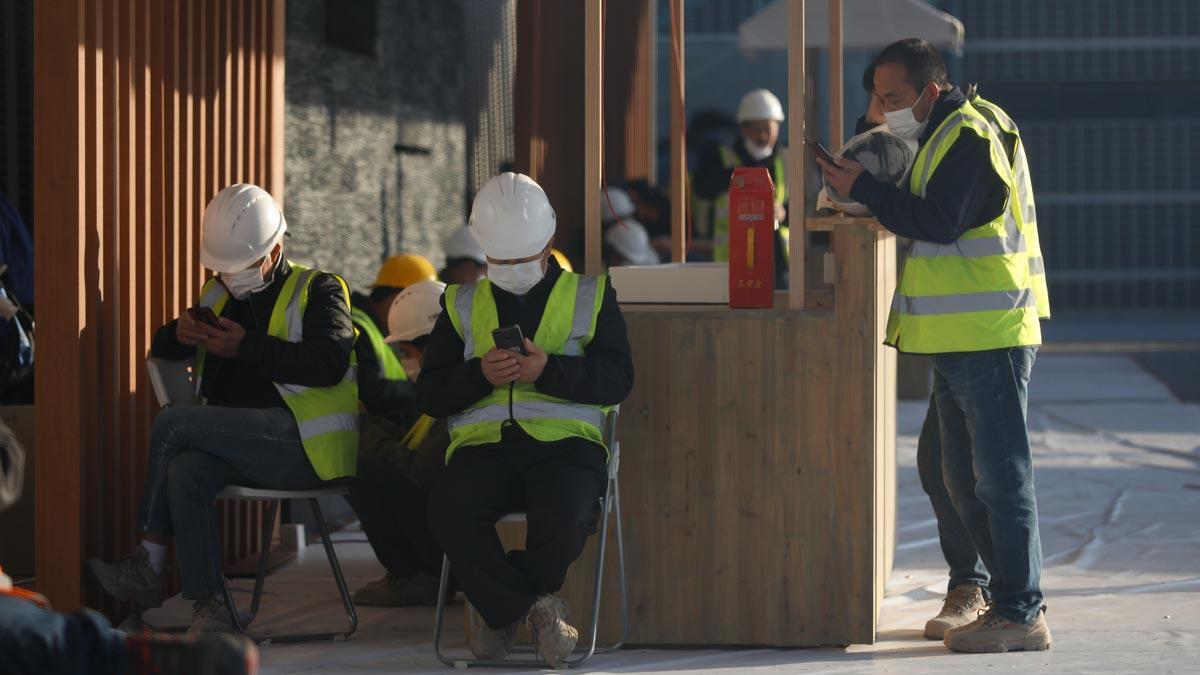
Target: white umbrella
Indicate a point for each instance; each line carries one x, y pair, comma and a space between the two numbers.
866, 24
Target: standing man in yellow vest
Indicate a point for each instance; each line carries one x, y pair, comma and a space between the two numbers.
966, 297
384, 386
759, 115
525, 429
275, 372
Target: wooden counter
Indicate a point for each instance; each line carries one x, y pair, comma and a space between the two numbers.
758, 467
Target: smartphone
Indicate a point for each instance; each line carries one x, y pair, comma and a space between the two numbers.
206, 316
819, 150
510, 338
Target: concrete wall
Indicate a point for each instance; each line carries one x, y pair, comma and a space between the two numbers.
352, 198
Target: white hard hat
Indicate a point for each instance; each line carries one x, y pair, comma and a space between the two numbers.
759, 104
240, 226
414, 311
461, 244
622, 205
884, 155
632, 242
512, 218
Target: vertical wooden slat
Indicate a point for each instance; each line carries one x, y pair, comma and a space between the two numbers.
795, 169
836, 79
679, 194
593, 141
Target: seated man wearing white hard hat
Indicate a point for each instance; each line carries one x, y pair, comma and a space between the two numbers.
272, 343
397, 466
626, 241
465, 261
759, 115
525, 429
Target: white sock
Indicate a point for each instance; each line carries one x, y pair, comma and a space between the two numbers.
157, 554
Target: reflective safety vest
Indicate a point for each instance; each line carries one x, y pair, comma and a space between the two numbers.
731, 160
384, 355
327, 416
976, 293
568, 324
1010, 136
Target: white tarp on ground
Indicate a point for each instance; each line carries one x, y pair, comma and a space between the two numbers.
866, 24
1118, 467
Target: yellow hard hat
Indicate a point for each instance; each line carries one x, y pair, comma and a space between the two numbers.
561, 257
404, 270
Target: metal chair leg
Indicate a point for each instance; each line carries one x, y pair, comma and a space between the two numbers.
263, 559
440, 612
351, 615
620, 569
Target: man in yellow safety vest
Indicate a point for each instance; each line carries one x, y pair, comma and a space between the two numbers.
525, 428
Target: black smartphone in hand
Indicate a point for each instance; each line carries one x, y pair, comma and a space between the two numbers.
510, 338
205, 316
819, 150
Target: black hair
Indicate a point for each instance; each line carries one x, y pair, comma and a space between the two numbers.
868, 82
922, 62
380, 293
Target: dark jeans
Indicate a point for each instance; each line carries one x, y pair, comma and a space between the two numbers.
394, 516
35, 641
988, 469
195, 452
558, 485
957, 547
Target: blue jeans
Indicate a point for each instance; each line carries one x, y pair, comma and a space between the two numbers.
195, 451
987, 468
33, 640
957, 547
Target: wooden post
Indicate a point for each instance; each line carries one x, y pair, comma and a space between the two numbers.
593, 142
836, 77
795, 159
679, 195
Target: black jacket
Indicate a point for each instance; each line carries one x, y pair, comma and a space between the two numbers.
393, 399
963, 193
712, 176
247, 380
602, 376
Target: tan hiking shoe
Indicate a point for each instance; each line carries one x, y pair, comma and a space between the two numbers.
491, 644
131, 578
553, 638
210, 615
993, 634
419, 590
961, 607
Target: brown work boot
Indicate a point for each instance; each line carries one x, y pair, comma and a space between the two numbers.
488, 643
960, 608
132, 579
419, 590
213, 654
553, 638
993, 634
210, 615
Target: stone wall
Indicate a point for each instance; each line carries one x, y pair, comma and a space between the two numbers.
375, 145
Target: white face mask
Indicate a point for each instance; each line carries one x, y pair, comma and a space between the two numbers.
242, 284
517, 279
904, 124
758, 152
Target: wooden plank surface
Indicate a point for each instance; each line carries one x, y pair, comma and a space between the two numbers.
797, 187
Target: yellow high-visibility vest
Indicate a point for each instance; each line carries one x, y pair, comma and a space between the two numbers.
392, 368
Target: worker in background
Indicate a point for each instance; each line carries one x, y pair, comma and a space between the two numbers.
397, 467
759, 116
653, 212
966, 296
35, 640
465, 261
383, 386
275, 369
626, 241
525, 429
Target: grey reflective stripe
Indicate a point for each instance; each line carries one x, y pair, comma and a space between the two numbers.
1013, 241
525, 410
328, 424
1037, 266
286, 390
213, 295
989, 301
931, 146
293, 314
581, 321
463, 302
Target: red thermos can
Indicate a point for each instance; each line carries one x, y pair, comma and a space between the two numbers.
751, 238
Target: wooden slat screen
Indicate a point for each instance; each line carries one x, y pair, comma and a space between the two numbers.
145, 110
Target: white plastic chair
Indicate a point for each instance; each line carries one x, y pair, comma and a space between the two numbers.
610, 506
174, 385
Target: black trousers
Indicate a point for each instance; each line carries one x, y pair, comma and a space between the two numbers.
394, 516
559, 485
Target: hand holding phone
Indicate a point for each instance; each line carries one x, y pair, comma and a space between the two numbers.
510, 338
205, 316
820, 151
